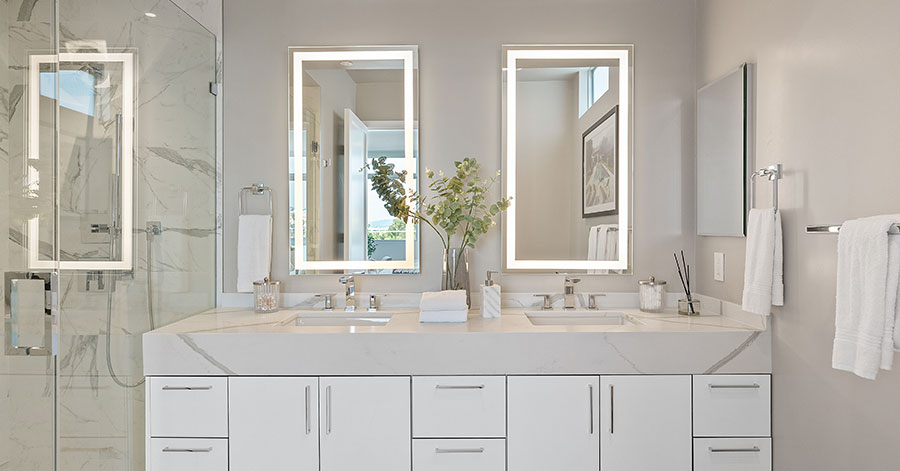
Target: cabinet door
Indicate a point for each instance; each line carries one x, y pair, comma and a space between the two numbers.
273, 424
553, 423
645, 423
365, 423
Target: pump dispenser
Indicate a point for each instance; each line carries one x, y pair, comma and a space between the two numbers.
490, 297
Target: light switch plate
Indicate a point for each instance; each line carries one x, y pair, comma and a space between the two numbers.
719, 268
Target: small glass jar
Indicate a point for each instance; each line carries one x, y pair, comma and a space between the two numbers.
266, 295
652, 294
689, 308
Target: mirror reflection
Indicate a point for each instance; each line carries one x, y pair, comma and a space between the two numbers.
567, 158
356, 104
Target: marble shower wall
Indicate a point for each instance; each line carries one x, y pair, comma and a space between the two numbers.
100, 423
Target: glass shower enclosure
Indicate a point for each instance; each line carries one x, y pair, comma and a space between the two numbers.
107, 215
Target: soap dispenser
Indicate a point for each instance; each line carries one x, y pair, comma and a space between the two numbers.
490, 297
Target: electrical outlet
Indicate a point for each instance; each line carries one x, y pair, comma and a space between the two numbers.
719, 266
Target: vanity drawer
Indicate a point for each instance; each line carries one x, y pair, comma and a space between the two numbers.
732, 406
188, 407
732, 454
188, 454
459, 406
459, 454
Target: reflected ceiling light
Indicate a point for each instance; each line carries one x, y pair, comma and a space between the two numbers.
346, 63
150, 14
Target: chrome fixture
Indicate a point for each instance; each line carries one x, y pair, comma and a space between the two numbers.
570, 292
349, 292
256, 189
830, 229
592, 300
329, 301
773, 173
373, 302
548, 305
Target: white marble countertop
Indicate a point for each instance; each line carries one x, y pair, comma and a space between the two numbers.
237, 341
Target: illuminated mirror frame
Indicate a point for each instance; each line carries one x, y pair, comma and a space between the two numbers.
409, 56
127, 154
621, 53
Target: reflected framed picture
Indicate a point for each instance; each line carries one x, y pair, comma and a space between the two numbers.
599, 167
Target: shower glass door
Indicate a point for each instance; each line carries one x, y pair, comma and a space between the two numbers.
107, 194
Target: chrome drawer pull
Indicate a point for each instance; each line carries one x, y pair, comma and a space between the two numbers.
187, 450
734, 450
734, 386
186, 388
453, 386
591, 407
459, 450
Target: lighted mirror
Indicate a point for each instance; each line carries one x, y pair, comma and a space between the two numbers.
95, 93
348, 106
567, 158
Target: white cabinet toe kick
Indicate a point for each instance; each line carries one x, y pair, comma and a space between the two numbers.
448, 423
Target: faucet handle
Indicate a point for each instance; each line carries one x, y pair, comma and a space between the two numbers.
373, 301
592, 301
346, 279
329, 300
547, 303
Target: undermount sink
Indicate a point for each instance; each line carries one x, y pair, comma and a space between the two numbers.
343, 319
579, 318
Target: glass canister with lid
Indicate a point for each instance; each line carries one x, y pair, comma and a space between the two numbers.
652, 294
266, 295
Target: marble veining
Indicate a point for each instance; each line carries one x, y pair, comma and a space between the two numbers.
238, 342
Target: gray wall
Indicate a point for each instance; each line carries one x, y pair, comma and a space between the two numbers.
828, 109
460, 108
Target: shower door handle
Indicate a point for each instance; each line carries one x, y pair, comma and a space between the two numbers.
31, 314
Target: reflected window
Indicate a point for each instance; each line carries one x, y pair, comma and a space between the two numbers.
76, 90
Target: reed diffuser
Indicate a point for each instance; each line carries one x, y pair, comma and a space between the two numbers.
688, 306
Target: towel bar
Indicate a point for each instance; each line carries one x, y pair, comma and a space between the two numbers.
257, 189
828, 229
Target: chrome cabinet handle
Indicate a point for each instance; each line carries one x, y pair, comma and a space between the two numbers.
734, 386
186, 388
612, 409
459, 386
328, 410
755, 449
591, 406
308, 429
459, 450
186, 450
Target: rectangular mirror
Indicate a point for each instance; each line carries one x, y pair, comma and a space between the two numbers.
567, 158
348, 106
723, 154
91, 94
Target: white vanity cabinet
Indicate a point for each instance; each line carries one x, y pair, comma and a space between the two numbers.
365, 423
553, 423
273, 423
645, 423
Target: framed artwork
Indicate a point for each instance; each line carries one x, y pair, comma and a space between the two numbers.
599, 167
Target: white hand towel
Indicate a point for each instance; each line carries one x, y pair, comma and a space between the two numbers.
603, 244
764, 265
868, 279
447, 316
450, 300
254, 255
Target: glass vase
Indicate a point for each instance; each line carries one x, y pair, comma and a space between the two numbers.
456, 271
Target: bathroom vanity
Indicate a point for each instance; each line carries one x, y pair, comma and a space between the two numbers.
531, 390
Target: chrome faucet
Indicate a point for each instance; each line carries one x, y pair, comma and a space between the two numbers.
349, 292
570, 292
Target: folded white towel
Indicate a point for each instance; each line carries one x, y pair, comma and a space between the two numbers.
254, 257
868, 280
603, 244
764, 265
450, 300
456, 315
